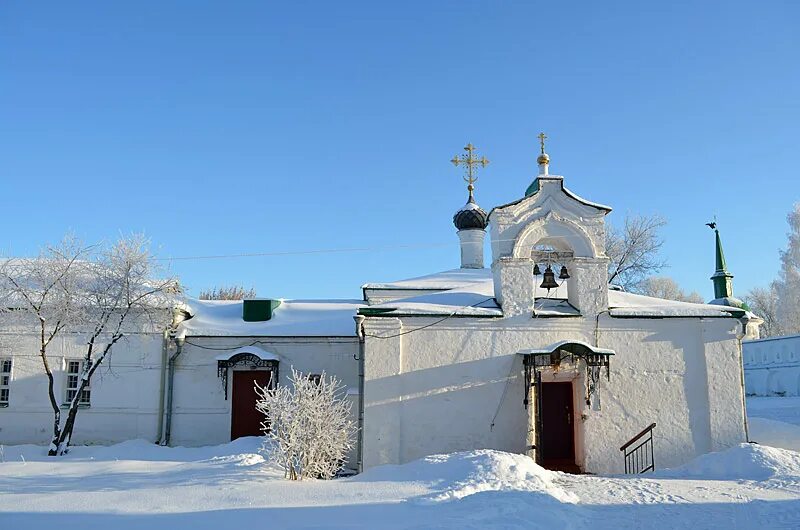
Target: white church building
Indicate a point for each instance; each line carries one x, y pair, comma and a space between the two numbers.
534, 354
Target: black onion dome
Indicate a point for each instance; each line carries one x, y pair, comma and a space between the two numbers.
471, 217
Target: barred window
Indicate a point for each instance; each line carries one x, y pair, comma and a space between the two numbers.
74, 371
5, 381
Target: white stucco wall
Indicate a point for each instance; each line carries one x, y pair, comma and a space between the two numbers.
202, 415
124, 391
772, 366
440, 389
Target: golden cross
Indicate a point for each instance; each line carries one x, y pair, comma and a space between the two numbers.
542, 137
470, 161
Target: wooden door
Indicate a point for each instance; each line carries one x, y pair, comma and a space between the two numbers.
245, 419
557, 438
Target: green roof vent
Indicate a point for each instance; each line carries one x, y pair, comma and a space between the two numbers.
259, 310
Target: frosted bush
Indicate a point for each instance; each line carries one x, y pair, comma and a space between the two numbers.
307, 425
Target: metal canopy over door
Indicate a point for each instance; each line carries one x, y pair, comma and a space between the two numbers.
245, 419
558, 434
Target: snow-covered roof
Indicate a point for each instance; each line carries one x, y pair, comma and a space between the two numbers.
293, 318
474, 299
470, 292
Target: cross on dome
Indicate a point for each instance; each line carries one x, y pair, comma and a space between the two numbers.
470, 163
544, 159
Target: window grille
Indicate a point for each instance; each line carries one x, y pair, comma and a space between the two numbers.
74, 371
5, 381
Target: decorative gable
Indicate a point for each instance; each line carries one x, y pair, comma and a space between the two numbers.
549, 221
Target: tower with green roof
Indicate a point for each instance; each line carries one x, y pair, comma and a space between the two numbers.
722, 278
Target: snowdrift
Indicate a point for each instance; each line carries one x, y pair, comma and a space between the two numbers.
743, 462
459, 475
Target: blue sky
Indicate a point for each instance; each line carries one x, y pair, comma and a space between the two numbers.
253, 127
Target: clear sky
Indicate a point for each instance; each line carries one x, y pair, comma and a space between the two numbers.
255, 127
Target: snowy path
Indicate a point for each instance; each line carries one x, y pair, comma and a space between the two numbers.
138, 485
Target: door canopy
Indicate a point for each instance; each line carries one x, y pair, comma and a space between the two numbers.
569, 353
251, 356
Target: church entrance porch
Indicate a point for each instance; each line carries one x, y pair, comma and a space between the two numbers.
560, 379
557, 439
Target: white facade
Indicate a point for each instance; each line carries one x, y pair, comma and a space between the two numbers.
444, 371
772, 366
125, 400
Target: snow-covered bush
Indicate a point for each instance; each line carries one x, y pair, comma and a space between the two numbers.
307, 425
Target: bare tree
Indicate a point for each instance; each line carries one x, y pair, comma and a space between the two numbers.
308, 427
668, 289
634, 250
764, 303
100, 293
787, 286
233, 292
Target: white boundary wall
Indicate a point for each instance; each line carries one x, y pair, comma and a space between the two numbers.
772, 366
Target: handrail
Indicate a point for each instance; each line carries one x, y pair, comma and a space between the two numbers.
640, 459
633, 440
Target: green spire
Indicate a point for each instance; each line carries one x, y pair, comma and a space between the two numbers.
723, 284
720, 255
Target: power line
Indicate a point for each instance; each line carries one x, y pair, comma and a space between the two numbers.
342, 250
305, 252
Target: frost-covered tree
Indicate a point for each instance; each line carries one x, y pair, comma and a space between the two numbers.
666, 288
787, 285
307, 425
764, 303
225, 292
633, 251
98, 293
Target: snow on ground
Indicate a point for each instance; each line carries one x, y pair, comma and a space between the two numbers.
775, 421
138, 485
785, 409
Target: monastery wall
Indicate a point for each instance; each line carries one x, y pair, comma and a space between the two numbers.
772, 366
459, 386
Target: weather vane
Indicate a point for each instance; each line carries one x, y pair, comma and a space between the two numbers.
470, 162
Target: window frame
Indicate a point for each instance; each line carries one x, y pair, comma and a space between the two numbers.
86, 395
6, 377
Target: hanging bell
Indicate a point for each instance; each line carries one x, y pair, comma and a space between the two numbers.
536, 270
563, 275
549, 281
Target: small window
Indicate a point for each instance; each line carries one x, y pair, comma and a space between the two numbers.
5, 381
74, 371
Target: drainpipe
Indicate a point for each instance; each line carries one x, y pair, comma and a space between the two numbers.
361, 348
171, 376
739, 338
178, 316
162, 382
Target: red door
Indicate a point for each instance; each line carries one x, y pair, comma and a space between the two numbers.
558, 434
246, 420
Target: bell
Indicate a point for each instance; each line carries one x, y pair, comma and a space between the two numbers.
549, 281
536, 270
563, 275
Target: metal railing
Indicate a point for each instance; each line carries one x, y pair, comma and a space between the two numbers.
639, 452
